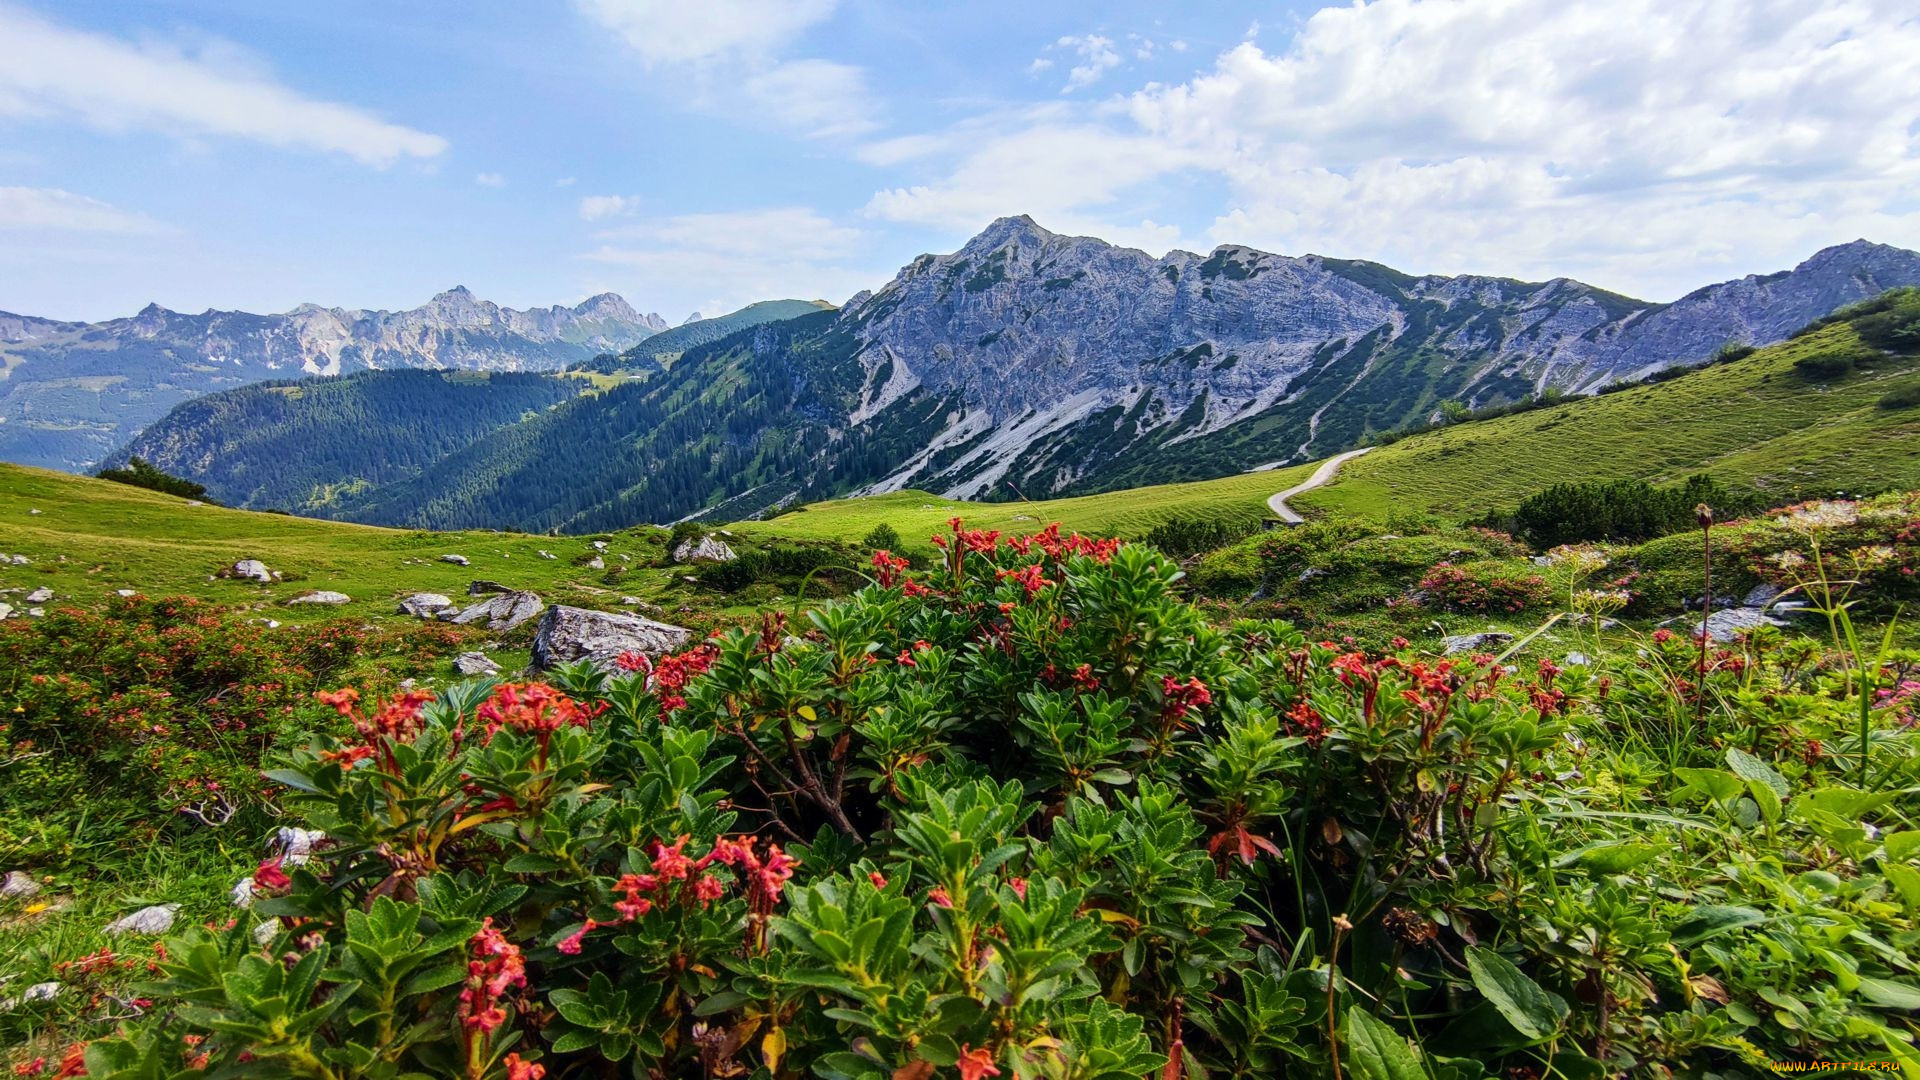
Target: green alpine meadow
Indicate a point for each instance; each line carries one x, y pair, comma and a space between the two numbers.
830, 540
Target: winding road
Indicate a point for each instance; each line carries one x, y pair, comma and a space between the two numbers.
1322, 475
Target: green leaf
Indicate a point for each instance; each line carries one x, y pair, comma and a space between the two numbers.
1378, 1052
1902, 845
1715, 784
531, 864
1889, 994
1533, 1012
1609, 856
291, 778
1748, 767
1710, 920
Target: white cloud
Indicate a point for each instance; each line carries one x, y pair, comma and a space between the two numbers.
490, 179
565, 181
674, 31
728, 56
596, 207
1642, 145
1097, 57
747, 255
55, 72
1177, 45
1040, 64
54, 210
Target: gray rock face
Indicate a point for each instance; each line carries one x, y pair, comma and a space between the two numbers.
566, 634
707, 549
1038, 336
475, 663
253, 570
175, 356
322, 596
1731, 623
40, 595
425, 605
502, 611
1466, 643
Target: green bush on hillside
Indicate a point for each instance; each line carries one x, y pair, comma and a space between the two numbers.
1026, 815
1618, 510
143, 474
1901, 397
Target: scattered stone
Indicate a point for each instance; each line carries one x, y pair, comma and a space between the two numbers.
195, 502
22, 560
425, 605
630, 601
482, 587
322, 596
599, 545
502, 611
1460, 643
1576, 659
243, 893
125, 592
253, 569
1309, 574
34, 513
596, 563
1761, 595
18, 886
569, 633
1731, 623
263, 934
6, 611
37, 612
545, 554
708, 549
625, 558
157, 919
40, 595
457, 560
296, 845
43, 991
475, 663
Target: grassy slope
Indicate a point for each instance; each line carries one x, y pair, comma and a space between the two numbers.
113, 537
1752, 421
1132, 512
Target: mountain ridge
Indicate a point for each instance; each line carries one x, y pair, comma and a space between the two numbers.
72, 392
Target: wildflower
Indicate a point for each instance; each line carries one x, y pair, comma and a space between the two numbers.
533, 709
879, 879
495, 968
1019, 886
888, 568
672, 674
975, 1064
31, 1068
518, 1069
269, 876
633, 661
1304, 720
708, 889
938, 894
1083, 678
635, 905
1182, 698
571, 943
671, 863
74, 1062
1821, 514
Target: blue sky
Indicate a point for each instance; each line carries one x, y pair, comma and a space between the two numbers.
238, 154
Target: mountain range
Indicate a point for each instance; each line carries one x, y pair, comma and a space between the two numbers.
1029, 364
72, 392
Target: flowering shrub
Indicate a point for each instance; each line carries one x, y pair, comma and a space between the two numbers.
1482, 587
166, 703
1023, 814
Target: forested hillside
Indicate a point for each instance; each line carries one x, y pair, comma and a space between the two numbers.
313, 445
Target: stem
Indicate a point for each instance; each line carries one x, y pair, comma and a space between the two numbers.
1706, 617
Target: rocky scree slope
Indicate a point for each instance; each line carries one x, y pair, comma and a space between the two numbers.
72, 392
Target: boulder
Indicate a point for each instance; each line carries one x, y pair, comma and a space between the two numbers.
253, 570
157, 919
1760, 595
6, 611
482, 587
40, 595
457, 560
475, 663
37, 612
19, 560
296, 844
707, 549
599, 545
1466, 643
502, 611
596, 563
566, 634
1731, 623
18, 886
322, 596
425, 605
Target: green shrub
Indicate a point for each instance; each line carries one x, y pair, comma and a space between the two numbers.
882, 537
1833, 364
1629, 510
140, 473
1900, 397
1056, 825
1185, 536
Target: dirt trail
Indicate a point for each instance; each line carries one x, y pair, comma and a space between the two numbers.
1321, 476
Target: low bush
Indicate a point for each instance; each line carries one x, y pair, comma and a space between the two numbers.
138, 472
1028, 815
1900, 397
1183, 537
1619, 510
